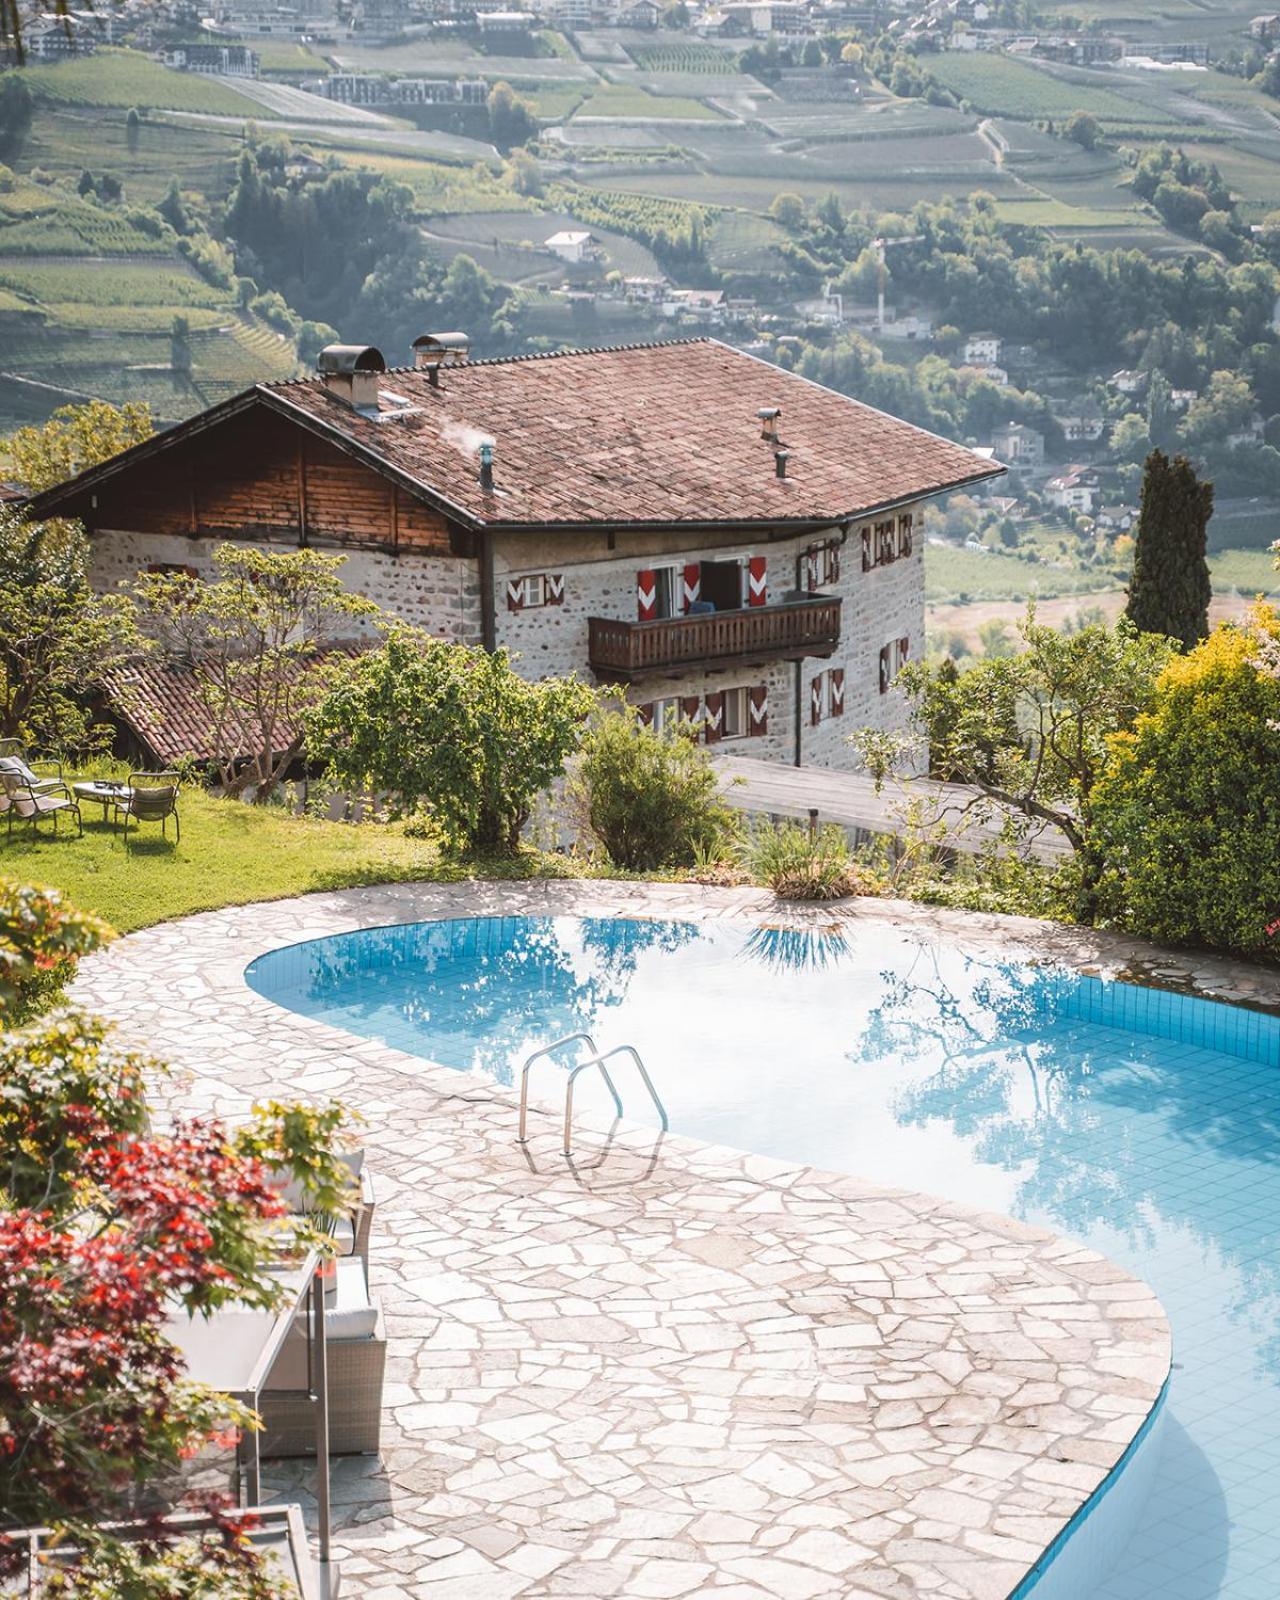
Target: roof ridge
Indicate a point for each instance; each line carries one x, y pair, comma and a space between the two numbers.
531, 355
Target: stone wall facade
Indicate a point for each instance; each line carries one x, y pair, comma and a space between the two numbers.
440, 594
547, 587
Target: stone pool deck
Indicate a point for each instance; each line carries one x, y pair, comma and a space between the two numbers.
671, 1369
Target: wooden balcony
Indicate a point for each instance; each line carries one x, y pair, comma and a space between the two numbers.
621, 651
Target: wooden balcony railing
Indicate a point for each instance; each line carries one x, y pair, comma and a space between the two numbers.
625, 650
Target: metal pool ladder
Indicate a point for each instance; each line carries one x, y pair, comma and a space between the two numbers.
596, 1058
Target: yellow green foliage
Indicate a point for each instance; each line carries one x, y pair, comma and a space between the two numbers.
1188, 813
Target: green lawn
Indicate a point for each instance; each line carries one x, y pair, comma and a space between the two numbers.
231, 854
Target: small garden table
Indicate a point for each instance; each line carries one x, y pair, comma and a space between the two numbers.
101, 790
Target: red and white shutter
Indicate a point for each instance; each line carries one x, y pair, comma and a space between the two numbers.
647, 595
811, 558
886, 668
691, 710
833, 561
692, 584
906, 532
713, 718
868, 552
515, 594
815, 701
555, 588
836, 685
757, 710
757, 581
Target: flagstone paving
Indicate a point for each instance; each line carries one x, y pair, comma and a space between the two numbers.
669, 1369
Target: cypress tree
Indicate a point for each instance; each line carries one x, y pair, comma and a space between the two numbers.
1169, 591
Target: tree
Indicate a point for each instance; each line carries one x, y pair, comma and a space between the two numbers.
512, 120
452, 728
787, 210
173, 208
16, 109
133, 129
1031, 731
811, 55
1170, 589
1130, 439
651, 799
75, 437
1189, 809
58, 637
252, 640
180, 346
1083, 130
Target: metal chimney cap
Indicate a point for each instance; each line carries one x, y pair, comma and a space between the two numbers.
768, 413
348, 358
442, 343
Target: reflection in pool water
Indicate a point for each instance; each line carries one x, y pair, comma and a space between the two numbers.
1145, 1124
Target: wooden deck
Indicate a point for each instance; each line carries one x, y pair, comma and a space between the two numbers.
850, 798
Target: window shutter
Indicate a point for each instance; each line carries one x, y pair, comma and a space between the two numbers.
691, 709
713, 718
904, 650
555, 588
815, 701
646, 595
836, 675
906, 532
515, 594
885, 668
867, 562
645, 713
833, 561
692, 584
758, 710
757, 581
811, 557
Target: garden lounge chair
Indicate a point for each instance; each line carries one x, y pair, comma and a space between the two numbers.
29, 799
150, 797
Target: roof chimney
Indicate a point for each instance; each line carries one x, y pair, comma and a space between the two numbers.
769, 421
486, 465
431, 351
780, 458
350, 373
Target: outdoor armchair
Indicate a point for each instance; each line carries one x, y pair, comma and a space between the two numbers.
150, 797
30, 799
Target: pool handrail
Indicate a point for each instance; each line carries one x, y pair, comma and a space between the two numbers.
599, 1061
550, 1050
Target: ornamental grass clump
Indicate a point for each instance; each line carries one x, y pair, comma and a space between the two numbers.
798, 864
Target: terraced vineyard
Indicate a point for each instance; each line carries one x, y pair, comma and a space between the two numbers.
683, 55
1004, 87
125, 78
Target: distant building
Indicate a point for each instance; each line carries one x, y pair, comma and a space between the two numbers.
570, 244
1083, 428
1117, 519
48, 37
907, 326
641, 14
980, 350
1265, 27
498, 25
1127, 381
372, 89
1019, 446
1076, 489
646, 291
992, 373
706, 305
213, 60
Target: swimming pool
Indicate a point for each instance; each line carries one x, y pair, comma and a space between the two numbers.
1145, 1124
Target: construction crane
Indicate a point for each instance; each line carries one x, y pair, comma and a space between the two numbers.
880, 246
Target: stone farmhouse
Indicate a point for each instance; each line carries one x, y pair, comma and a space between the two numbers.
734, 544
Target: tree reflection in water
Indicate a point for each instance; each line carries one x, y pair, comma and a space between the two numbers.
479, 989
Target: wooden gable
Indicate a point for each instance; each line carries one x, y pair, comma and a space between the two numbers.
257, 475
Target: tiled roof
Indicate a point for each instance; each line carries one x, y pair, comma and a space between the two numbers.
644, 434
159, 703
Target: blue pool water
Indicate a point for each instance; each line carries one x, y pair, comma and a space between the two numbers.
1145, 1124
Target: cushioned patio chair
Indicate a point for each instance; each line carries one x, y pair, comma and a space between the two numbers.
27, 798
150, 797
356, 1350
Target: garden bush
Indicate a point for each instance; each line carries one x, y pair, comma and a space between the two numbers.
651, 800
1187, 815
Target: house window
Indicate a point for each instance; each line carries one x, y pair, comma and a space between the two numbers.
893, 657
667, 715
535, 590
826, 695
822, 565
887, 541
736, 723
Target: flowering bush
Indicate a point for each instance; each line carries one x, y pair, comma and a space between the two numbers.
39, 932
107, 1225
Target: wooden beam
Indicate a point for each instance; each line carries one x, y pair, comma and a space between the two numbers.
302, 491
